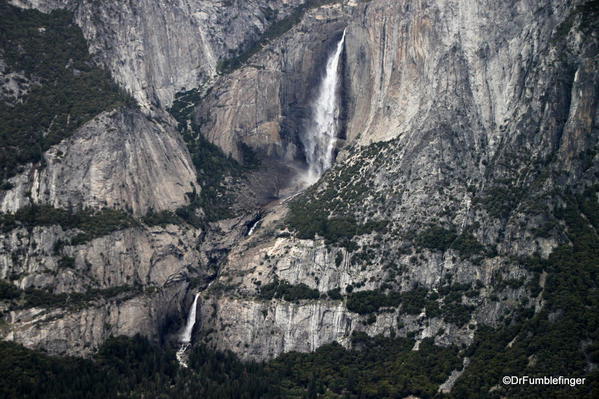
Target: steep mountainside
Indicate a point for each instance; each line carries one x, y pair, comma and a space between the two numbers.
466, 183
155, 49
163, 154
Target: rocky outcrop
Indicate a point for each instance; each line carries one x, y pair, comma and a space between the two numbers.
234, 316
140, 256
15, 85
81, 331
120, 159
133, 281
262, 330
110, 282
259, 330
427, 64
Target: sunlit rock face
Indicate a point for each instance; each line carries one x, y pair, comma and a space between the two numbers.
120, 159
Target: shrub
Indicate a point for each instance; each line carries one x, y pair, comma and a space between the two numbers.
335, 294
8, 291
413, 301
364, 302
162, 218
288, 292
441, 239
92, 223
436, 238
310, 219
66, 262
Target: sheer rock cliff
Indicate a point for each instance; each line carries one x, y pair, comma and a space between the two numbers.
461, 120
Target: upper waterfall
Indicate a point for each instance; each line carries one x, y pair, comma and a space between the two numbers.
321, 134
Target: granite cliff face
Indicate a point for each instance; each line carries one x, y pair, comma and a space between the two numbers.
461, 121
472, 108
155, 49
80, 330
120, 159
130, 159
265, 104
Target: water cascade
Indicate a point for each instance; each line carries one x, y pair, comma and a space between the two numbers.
321, 134
254, 225
186, 335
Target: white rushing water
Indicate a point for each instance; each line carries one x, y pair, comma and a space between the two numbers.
191, 321
186, 334
251, 231
321, 135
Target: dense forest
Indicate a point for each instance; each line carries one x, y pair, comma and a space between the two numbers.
135, 368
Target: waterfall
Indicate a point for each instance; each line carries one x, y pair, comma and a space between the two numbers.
254, 225
191, 321
321, 134
186, 335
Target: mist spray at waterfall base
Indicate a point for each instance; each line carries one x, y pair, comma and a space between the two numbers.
185, 338
320, 137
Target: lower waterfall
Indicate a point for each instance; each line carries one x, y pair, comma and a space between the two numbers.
321, 134
186, 335
254, 225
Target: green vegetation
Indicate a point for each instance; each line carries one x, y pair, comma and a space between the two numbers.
436, 238
135, 368
66, 262
467, 245
183, 105
162, 218
414, 302
33, 297
499, 201
441, 239
50, 50
8, 291
212, 165
284, 290
309, 220
121, 366
92, 223
335, 294
556, 336
330, 210
457, 314
382, 368
364, 302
